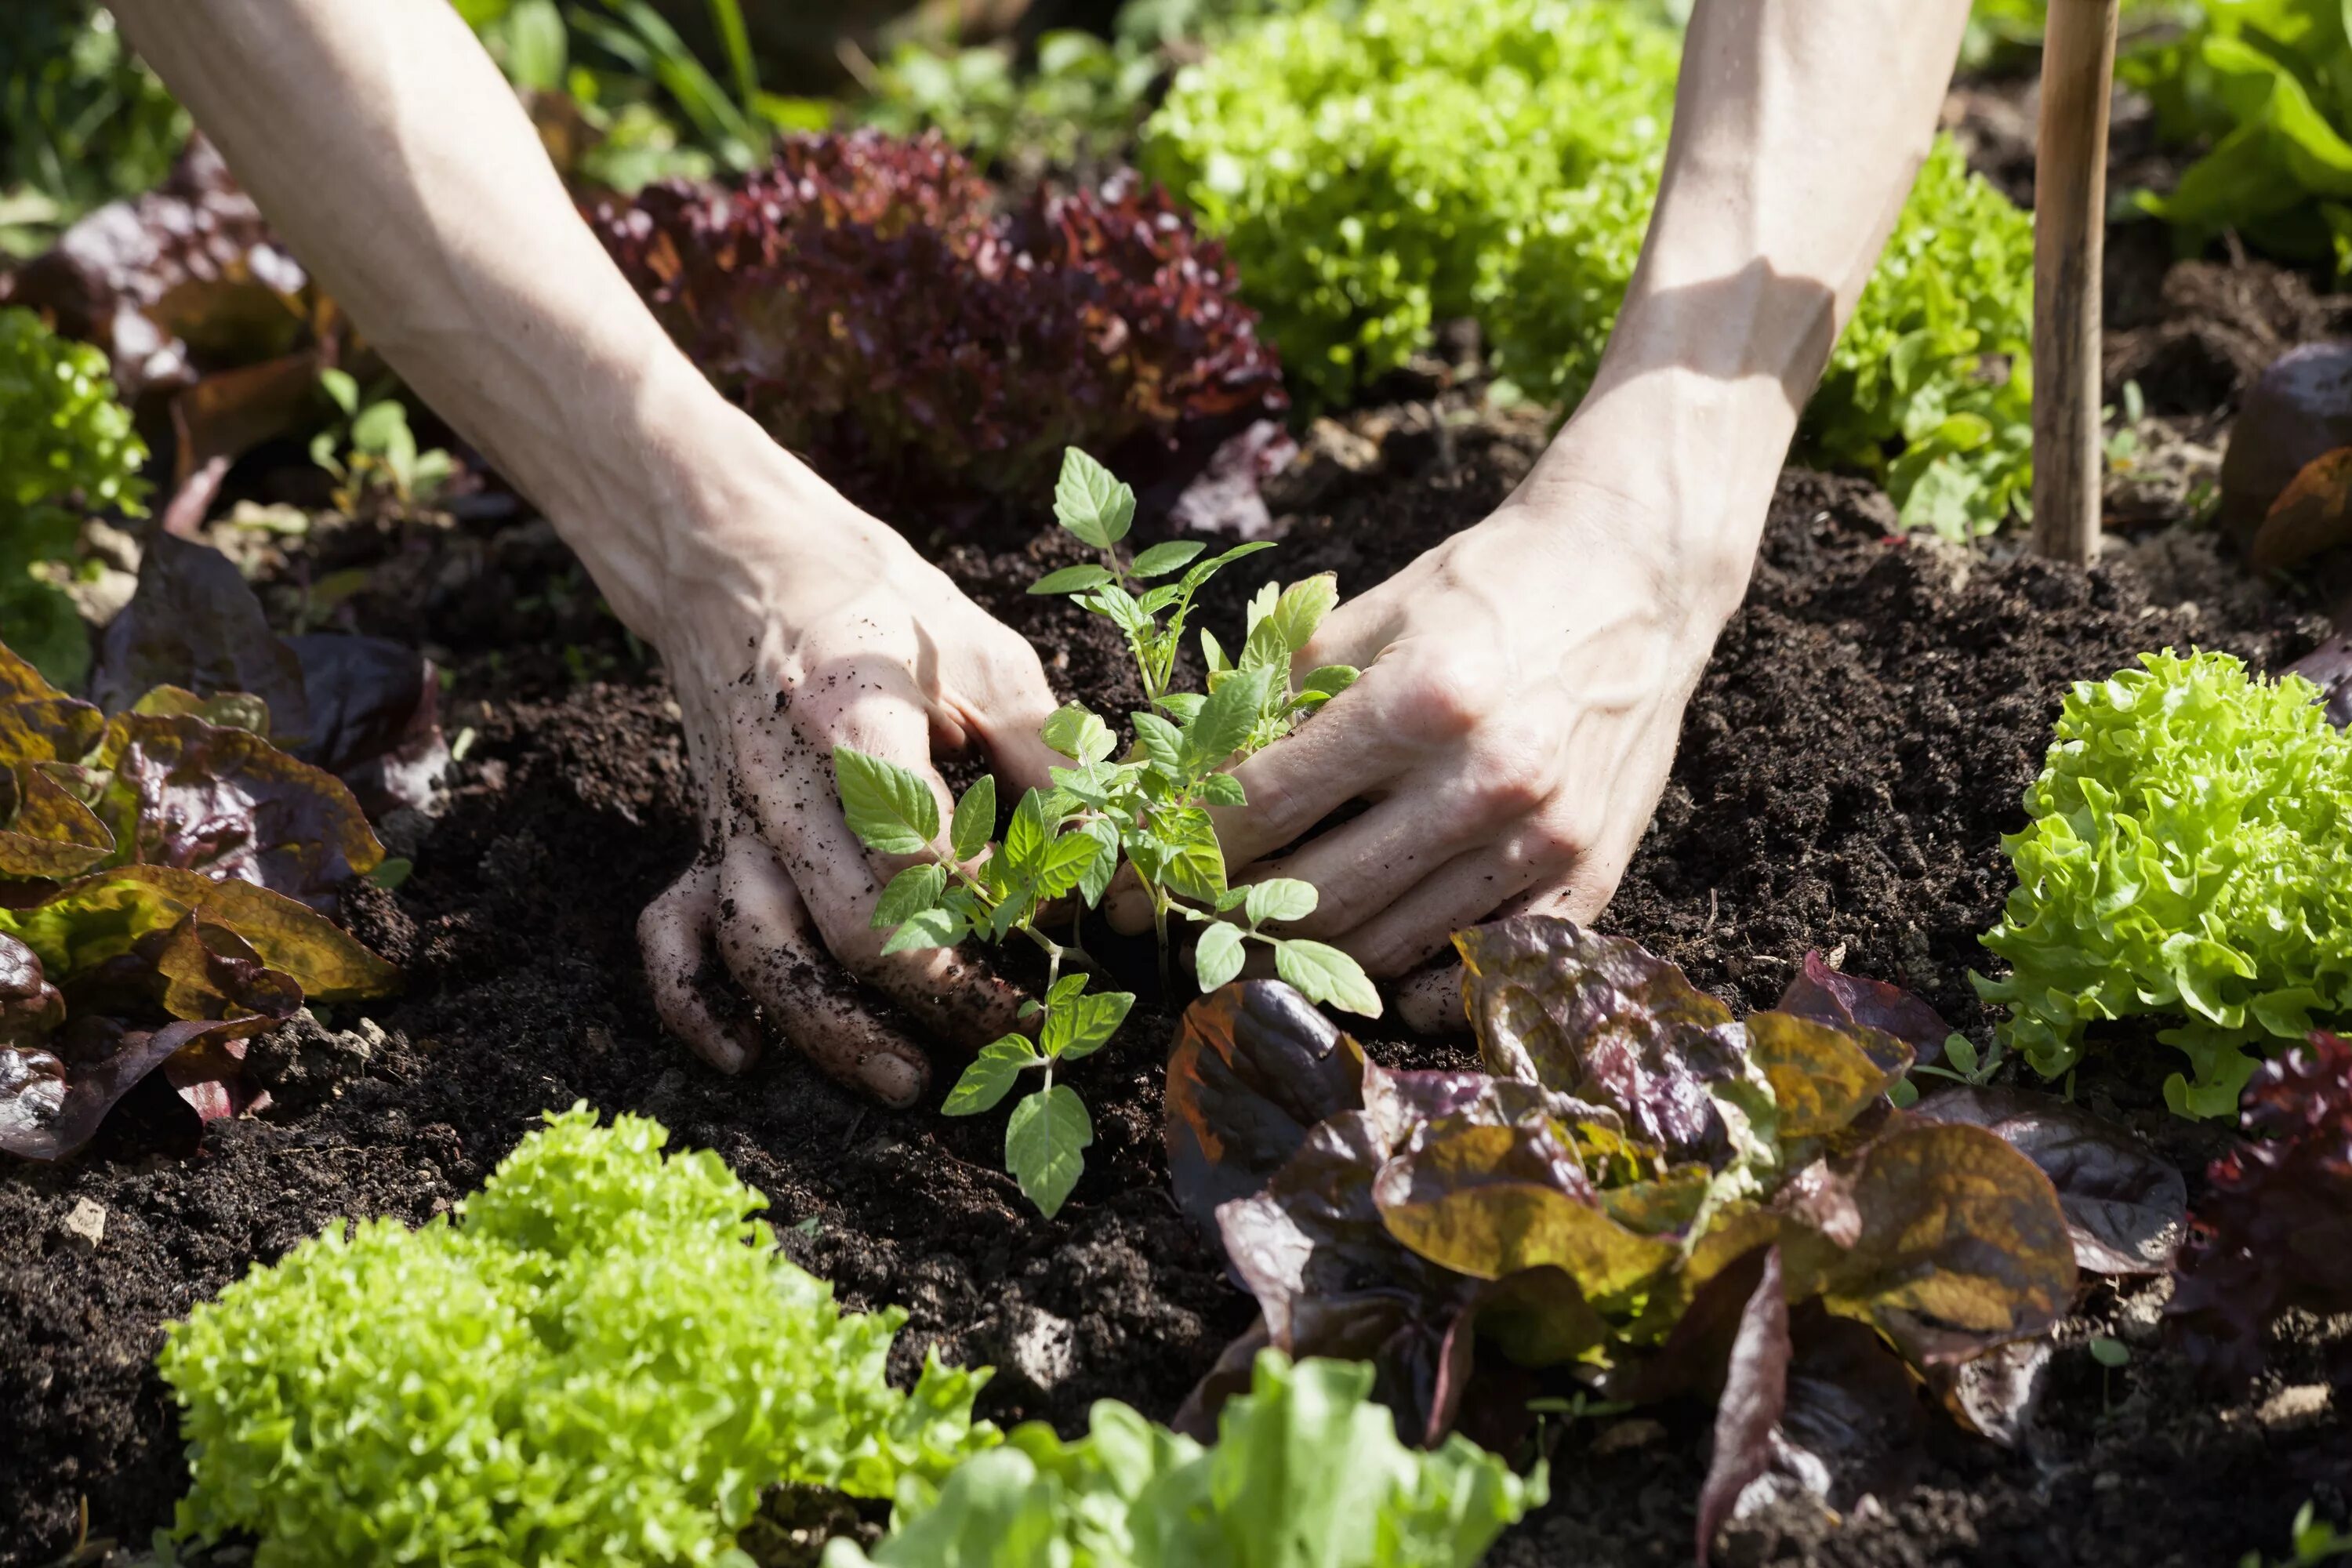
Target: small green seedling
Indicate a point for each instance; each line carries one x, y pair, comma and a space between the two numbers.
381, 455
1148, 809
1967, 1065
2110, 1353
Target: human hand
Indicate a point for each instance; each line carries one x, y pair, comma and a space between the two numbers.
801, 623
1523, 688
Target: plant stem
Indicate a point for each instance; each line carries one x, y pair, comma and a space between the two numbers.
1160, 929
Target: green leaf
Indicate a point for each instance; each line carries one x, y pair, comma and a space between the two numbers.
1066, 863
1043, 1144
1328, 680
1218, 958
1261, 604
1224, 789
1224, 720
1084, 1025
1183, 706
991, 1076
1079, 734
934, 927
891, 810
1072, 580
910, 893
1193, 863
1212, 653
1302, 607
1280, 898
1090, 502
1094, 880
1324, 973
339, 385
1162, 559
1120, 608
380, 425
975, 818
1204, 570
1163, 743
1025, 838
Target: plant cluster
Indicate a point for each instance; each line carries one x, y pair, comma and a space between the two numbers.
2275, 1231
65, 443
87, 122
1075, 108
865, 298
1147, 810
170, 855
1374, 168
602, 1357
2185, 857
1307, 1472
1604, 1192
379, 450
2267, 85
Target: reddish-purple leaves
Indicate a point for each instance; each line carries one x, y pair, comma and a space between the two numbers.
869, 302
1832, 996
2277, 1230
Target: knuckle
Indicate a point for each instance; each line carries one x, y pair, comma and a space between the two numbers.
1509, 781
1448, 694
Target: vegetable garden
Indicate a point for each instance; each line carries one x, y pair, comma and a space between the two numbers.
1940, 1150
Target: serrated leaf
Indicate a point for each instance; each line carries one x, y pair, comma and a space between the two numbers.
1120, 607
1091, 502
1203, 571
1327, 974
1219, 956
891, 810
1083, 1025
991, 1076
934, 927
1162, 559
1328, 681
1043, 1144
1224, 720
1159, 598
1066, 861
1280, 898
1195, 865
975, 818
1094, 881
1163, 743
1303, 605
1073, 579
1025, 838
1183, 706
1212, 653
1224, 789
910, 893
1261, 604
1079, 734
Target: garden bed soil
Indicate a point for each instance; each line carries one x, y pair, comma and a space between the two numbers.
1848, 765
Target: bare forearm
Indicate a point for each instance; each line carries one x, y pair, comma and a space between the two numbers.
1799, 126
383, 145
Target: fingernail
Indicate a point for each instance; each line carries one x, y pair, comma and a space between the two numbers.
895, 1081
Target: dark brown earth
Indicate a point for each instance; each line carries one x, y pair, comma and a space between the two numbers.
1854, 752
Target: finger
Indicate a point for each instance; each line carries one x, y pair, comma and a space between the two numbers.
674, 937
771, 948
1431, 1004
1367, 866
1466, 889
794, 807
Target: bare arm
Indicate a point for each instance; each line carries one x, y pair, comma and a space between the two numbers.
384, 145
1525, 679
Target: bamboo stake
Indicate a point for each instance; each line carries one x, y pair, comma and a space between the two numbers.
2069, 221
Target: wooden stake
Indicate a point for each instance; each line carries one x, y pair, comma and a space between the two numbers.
2070, 227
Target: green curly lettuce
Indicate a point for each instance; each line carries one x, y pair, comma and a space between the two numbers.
604, 1359
1307, 1472
1376, 166
64, 438
2187, 855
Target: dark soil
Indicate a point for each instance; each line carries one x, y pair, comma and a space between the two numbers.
1848, 765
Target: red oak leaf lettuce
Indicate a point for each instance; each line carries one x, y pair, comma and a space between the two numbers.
2276, 1231
873, 304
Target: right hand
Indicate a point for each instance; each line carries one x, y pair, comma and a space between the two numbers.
794, 622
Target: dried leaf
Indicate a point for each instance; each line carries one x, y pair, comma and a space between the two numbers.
1600, 1018
1830, 996
1254, 1065
2125, 1209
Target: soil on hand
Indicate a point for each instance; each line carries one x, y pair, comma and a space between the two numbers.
1853, 754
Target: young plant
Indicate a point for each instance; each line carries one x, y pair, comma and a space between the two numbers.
379, 450
1148, 809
